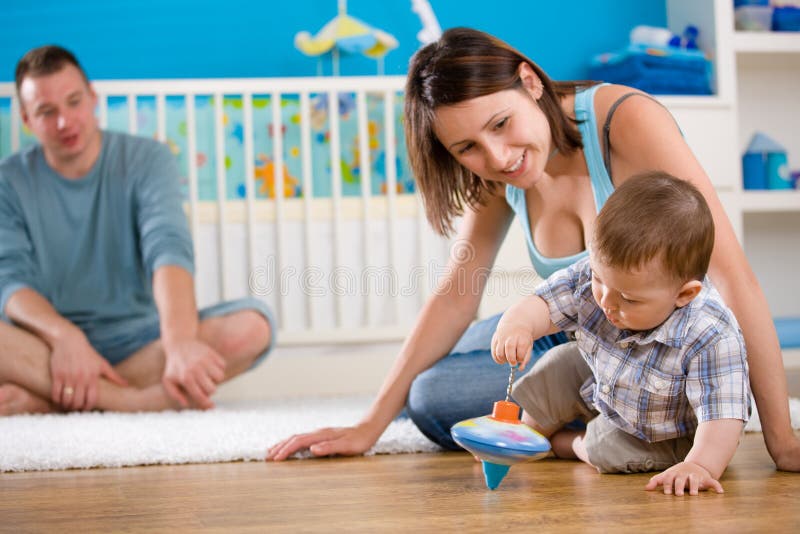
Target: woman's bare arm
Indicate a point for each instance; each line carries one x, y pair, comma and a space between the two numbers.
443, 319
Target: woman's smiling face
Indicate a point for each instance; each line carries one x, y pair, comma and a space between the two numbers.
502, 137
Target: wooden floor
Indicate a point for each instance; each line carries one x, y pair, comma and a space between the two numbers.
414, 492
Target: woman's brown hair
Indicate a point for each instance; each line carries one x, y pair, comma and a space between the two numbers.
465, 64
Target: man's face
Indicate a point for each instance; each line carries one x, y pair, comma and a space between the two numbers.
59, 109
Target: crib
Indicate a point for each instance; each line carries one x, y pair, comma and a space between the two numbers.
312, 210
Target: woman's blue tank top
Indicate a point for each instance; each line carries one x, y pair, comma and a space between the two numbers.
601, 183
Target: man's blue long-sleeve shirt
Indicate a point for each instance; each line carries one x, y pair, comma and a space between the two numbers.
90, 246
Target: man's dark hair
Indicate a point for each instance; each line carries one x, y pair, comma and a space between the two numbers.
45, 60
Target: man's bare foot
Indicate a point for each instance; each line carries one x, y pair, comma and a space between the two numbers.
15, 400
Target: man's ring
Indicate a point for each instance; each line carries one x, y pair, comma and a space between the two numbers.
68, 390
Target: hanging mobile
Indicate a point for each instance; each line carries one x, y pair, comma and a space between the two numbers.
500, 440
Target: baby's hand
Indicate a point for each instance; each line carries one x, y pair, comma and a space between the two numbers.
683, 474
511, 344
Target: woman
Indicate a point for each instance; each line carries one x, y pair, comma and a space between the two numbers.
490, 136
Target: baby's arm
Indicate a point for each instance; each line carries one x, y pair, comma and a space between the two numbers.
714, 445
521, 324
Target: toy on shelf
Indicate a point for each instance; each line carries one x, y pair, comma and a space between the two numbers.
765, 165
500, 440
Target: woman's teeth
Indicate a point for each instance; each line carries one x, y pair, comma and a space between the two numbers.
517, 164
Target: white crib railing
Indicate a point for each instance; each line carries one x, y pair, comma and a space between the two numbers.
238, 240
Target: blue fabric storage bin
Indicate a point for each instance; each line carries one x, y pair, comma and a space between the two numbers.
754, 169
786, 19
788, 332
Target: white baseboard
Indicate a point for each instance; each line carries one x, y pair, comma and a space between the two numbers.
338, 369
303, 371
791, 358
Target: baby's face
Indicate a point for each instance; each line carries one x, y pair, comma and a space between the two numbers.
634, 300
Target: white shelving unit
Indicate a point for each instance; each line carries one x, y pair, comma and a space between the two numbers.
766, 43
757, 85
771, 201
767, 67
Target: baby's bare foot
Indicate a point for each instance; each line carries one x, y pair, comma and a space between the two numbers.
15, 400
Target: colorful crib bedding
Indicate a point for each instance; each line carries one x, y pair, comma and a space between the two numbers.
264, 175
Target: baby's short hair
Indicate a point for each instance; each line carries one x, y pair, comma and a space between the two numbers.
655, 215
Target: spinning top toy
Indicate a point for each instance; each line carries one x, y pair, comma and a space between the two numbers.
500, 440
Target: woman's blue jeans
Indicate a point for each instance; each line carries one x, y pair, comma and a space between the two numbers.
465, 383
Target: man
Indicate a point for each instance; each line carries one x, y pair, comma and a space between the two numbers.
96, 262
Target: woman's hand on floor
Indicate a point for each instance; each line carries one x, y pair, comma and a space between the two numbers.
787, 455
345, 441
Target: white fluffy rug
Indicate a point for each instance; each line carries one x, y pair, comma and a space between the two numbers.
231, 432
754, 425
228, 433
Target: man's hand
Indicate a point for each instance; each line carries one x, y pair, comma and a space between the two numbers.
685, 474
74, 364
75, 368
193, 370
787, 454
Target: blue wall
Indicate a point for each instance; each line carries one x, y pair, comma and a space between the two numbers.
237, 38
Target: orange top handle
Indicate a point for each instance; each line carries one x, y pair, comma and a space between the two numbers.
506, 411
